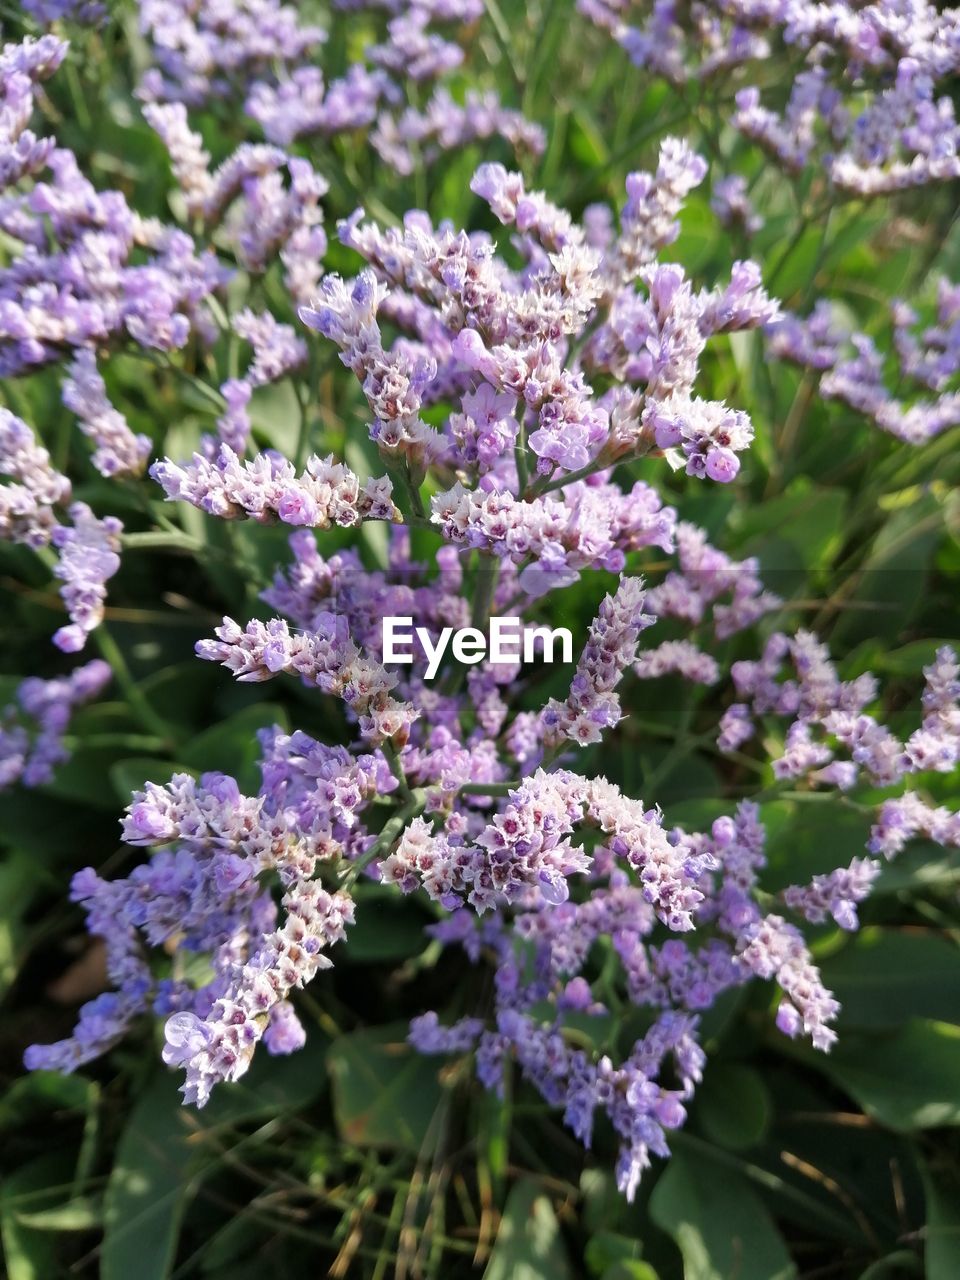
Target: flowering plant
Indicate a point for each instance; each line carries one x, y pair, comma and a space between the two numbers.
368, 354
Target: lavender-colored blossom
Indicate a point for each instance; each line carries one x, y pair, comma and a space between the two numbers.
33, 725
35, 487
267, 488
88, 556
730, 201
592, 704
117, 450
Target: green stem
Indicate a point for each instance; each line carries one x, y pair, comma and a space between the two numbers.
391, 831
392, 757
483, 597
134, 742
303, 432
174, 540
520, 454
399, 472
413, 491
570, 477
139, 705
487, 788
502, 32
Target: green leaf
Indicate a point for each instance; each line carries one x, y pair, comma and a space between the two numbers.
79, 1214
909, 659
906, 1080
922, 865
29, 1254
528, 1245
719, 1223
130, 775
232, 747
388, 927
162, 1156
182, 689
18, 887
883, 977
941, 1253
895, 1266
43, 1091
733, 1106
607, 1249
893, 581
810, 520
81, 777
804, 840
384, 1093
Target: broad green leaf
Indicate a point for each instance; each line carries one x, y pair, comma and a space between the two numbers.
384, 1093
698, 236
79, 1214
808, 839
732, 1105
84, 778
883, 977
130, 775
894, 578
811, 520
718, 1221
232, 747
922, 865
44, 1091
607, 1249
630, 1271
184, 689
18, 888
50, 828
895, 1266
906, 1080
529, 1245
388, 927
909, 659
29, 1254
162, 1156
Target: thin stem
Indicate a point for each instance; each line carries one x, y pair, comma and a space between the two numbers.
487, 575
413, 490
391, 831
400, 472
174, 540
303, 431
502, 32
392, 757
488, 788
139, 704
520, 454
568, 477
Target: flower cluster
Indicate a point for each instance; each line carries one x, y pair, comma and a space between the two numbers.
927, 398
268, 488
202, 892
830, 717
514, 381
592, 704
88, 547
868, 93
542, 977
86, 268
333, 665
33, 725
260, 55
